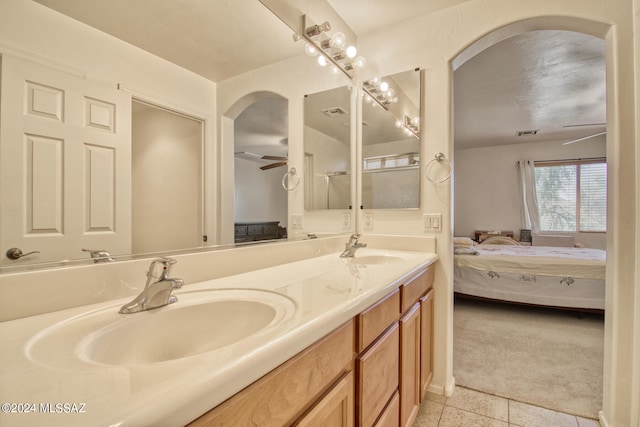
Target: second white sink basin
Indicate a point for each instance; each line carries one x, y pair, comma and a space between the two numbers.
201, 321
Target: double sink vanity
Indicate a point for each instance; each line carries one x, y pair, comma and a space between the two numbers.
327, 339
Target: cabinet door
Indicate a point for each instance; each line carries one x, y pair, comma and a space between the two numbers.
426, 342
377, 376
410, 366
335, 409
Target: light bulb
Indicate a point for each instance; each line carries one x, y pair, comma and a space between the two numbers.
338, 40
351, 52
415, 121
391, 92
310, 49
367, 99
384, 86
334, 69
359, 62
398, 124
375, 81
322, 61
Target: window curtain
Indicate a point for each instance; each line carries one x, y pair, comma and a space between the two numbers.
527, 182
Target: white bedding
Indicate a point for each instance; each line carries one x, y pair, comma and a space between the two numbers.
552, 276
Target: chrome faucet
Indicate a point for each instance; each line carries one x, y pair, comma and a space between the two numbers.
157, 290
99, 255
352, 246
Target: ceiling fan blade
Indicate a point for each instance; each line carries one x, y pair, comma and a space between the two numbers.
272, 165
584, 137
280, 158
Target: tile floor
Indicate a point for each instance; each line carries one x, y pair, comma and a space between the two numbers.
470, 408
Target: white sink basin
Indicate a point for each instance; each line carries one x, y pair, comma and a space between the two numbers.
201, 321
375, 259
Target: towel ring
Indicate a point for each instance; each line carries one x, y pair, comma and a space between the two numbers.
285, 184
438, 158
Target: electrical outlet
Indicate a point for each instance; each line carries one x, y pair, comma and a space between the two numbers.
296, 220
368, 221
433, 222
346, 221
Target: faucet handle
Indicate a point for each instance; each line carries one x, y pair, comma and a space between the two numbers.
163, 265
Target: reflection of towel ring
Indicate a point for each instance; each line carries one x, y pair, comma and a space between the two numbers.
437, 158
292, 172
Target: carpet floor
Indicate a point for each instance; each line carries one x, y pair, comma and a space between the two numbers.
544, 357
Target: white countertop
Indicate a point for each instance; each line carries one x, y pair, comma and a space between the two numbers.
326, 292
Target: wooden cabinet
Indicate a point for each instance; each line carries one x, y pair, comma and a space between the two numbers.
376, 319
335, 409
377, 376
426, 342
410, 366
416, 331
286, 393
391, 414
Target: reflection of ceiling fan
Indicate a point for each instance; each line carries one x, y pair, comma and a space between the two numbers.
278, 160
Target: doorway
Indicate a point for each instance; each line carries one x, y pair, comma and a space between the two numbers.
167, 179
552, 106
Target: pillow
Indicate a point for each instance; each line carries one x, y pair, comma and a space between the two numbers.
499, 240
461, 250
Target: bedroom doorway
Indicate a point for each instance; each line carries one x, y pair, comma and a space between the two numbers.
513, 100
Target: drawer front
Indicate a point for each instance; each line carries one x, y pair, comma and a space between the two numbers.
377, 371
241, 230
254, 229
411, 291
391, 414
373, 321
270, 229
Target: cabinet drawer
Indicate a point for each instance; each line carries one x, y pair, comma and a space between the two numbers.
373, 321
254, 229
269, 229
411, 291
377, 372
241, 230
391, 414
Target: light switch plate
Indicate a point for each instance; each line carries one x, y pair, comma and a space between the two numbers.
433, 222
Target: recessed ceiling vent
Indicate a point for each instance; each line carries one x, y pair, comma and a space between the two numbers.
527, 132
335, 111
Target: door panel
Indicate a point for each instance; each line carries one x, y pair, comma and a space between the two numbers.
65, 164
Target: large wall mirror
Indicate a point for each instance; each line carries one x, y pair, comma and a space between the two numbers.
327, 149
391, 142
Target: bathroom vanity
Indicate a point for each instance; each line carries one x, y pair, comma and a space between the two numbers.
322, 340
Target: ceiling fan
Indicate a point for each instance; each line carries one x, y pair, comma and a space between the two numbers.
278, 160
593, 135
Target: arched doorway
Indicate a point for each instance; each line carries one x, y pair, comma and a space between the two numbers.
473, 167
256, 129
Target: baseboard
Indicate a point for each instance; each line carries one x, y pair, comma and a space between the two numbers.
602, 419
440, 390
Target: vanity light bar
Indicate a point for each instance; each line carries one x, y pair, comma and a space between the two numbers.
331, 49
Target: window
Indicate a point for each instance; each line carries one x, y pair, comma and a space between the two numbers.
392, 161
572, 195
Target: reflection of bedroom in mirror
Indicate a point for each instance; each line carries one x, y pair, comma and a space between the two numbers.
327, 149
520, 122
391, 142
261, 152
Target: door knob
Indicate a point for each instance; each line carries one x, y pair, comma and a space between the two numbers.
16, 253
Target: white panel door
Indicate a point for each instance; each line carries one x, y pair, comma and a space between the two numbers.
65, 164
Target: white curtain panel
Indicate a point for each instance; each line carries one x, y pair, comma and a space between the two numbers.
527, 182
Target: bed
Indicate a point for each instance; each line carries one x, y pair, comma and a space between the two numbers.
565, 277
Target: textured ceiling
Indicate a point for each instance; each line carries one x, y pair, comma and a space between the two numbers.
550, 81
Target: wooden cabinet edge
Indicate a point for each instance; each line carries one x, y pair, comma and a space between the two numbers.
340, 395
253, 402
